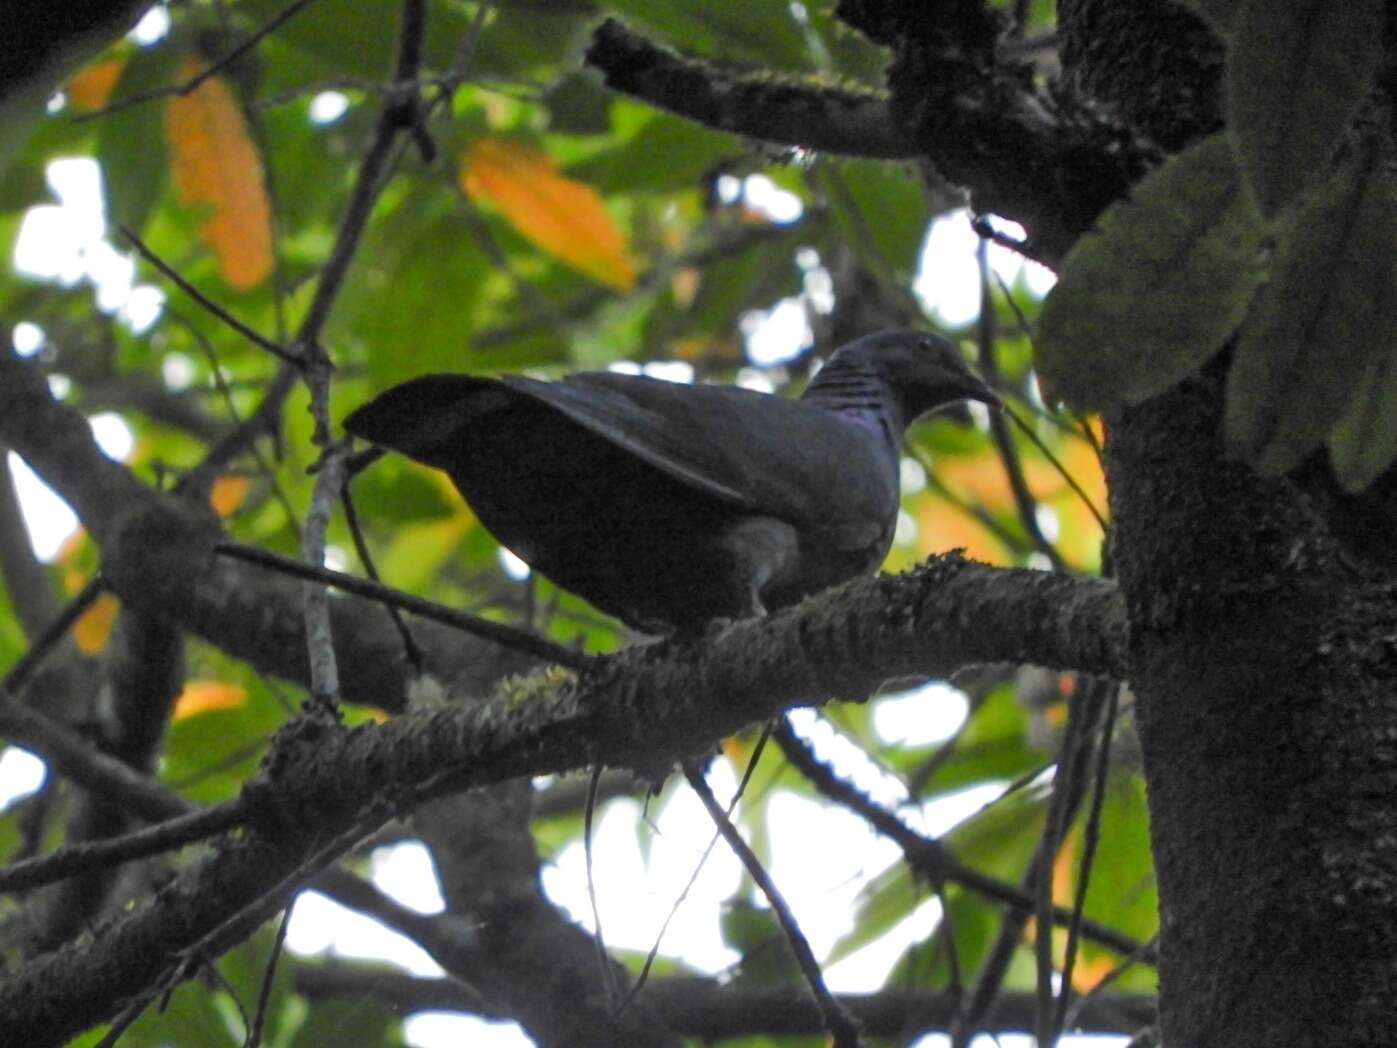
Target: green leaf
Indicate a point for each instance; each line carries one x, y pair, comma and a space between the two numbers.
1122, 891
1155, 292
1363, 442
424, 263
1296, 75
664, 153
764, 33
1326, 313
339, 1021
131, 141
21, 186
881, 208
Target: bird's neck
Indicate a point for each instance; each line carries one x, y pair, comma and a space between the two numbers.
860, 397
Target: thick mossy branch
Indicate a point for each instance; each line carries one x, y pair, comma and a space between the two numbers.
789, 110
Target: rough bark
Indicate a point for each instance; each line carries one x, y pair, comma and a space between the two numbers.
1262, 657
1264, 669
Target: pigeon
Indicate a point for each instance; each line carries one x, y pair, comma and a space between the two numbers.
672, 505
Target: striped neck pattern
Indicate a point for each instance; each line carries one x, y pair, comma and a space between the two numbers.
856, 392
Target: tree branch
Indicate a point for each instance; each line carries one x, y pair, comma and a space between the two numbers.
248, 613
790, 111
709, 1011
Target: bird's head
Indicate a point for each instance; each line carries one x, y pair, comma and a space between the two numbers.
921, 371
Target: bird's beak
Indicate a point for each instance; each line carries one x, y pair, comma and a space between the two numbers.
978, 390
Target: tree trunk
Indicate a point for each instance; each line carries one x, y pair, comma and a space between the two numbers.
1263, 666
1262, 658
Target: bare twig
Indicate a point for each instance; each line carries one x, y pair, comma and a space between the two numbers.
1074, 1014
203, 300
264, 995
842, 1026
1024, 501
1069, 783
225, 935
1062, 470
75, 758
644, 975
501, 634
608, 973
351, 518
928, 856
400, 111
16, 676
112, 851
397, 114
215, 67
324, 674
1091, 838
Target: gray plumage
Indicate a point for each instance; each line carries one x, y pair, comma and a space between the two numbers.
670, 505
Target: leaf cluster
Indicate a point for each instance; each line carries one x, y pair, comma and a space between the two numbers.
1275, 236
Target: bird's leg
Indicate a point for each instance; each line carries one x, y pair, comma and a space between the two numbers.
761, 548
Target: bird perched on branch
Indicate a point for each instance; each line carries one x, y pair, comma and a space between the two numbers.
671, 505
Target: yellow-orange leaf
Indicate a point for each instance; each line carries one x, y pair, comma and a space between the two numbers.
201, 696
216, 165
1065, 871
563, 217
70, 550
92, 85
228, 493
1089, 971
942, 526
94, 625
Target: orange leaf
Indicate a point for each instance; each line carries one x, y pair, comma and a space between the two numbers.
92, 85
1065, 871
228, 494
202, 696
94, 625
942, 526
216, 164
567, 219
1089, 971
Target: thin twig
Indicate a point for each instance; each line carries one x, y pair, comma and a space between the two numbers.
499, 633
1024, 500
394, 116
414, 654
264, 995
75, 758
1149, 945
16, 676
225, 391
930, 858
112, 851
215, 67
608, 973
1091, 838
985, 230
215, 942
843, 1027
324, 673
203, 300
1068, 785
747, 773
400, 111
1061, 469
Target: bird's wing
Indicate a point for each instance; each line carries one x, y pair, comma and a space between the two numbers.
617, 408
765, 454
424, 418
